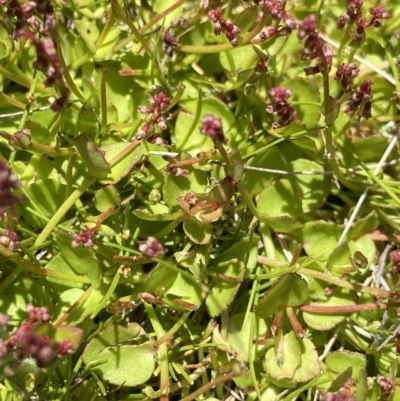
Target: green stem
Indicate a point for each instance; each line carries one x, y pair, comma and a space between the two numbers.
242, 189
41, 149
103, 97
162, 351
67, 75
377, 292
36, 269
170, 333
110, 291
60, 213
347, 308
218, 380
119, 12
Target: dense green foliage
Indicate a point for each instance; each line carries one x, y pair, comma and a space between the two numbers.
199, 200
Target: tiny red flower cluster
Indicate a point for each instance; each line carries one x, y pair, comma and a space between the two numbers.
276, 9
314, 47
85, 238
9, 240
28, 26
345, 74
25, 342
212, 127
179, 172
261, 65
361, 99
8, 184
220, 25
280, 106
345, 393
154, 115
354, 15
151, 247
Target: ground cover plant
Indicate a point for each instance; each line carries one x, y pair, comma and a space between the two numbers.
199, 200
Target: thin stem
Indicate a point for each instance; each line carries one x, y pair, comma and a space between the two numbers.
348, 308
242, 189
162, 352
37, 269
170, 333
103, 97
208, 386
60, 213
67, 75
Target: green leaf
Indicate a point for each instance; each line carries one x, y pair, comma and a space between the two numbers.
239, 334
327, 321
81, 259
225, 284
341, 380
117, 363
5, 42
175, 186
199, 233
314, 189
88, 32
270, 159
234, 59
291, 358
106, 197
93, 157
320, 237
306, 95
339, 260
362, 386
166, 282
46, 197
120, 169
280, 199
290, 290
157, 212
339, 361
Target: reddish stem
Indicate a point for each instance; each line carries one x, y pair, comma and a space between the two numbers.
295, 322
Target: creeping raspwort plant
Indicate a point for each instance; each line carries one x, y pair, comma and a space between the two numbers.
199, 200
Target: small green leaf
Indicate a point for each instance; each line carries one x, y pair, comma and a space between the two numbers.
106, 197
362, 386
234, 59
117, 363
290, 290
339, 259
175, 186
199, 233
172, 284
280, 199
239, 334
88, 32
314, 188
120, 169
320, 237
341, 380
93, 157
46, 197
339, 361
81, 259
157, 212
291, 358
5, 42
306, 95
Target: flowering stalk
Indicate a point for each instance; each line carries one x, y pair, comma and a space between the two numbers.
212, 127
